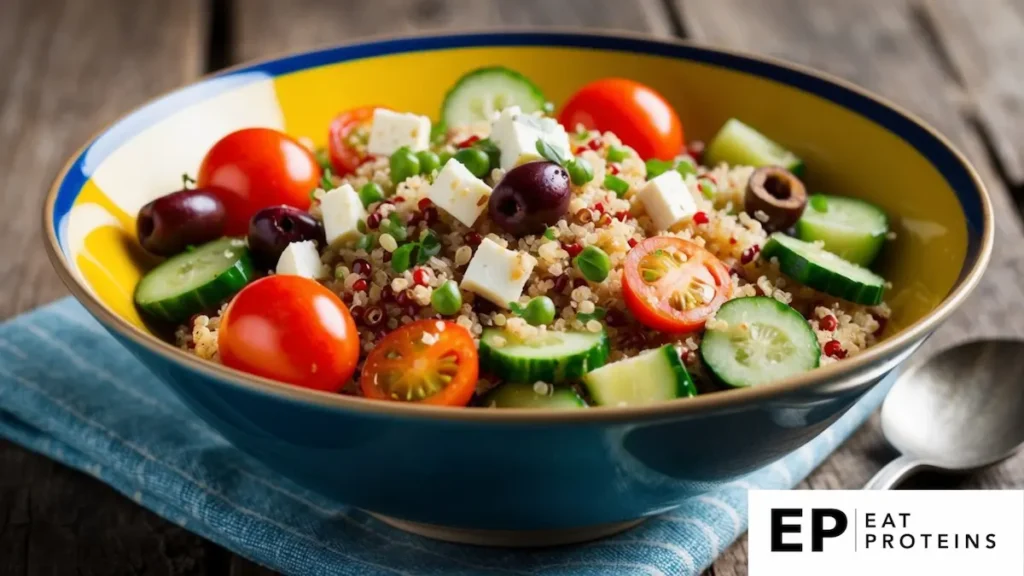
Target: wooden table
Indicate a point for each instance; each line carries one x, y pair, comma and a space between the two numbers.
69, 67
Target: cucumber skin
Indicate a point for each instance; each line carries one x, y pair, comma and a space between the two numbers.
821, 279
521, 395
723, 384
685, 387
204, 298
475, 74
528, 371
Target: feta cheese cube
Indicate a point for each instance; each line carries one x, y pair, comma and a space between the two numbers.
516, 136
458, 192
301, 259
342, 210
667, 200
392, 130
497, 274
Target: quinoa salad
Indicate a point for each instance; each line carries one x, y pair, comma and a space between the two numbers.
507, 256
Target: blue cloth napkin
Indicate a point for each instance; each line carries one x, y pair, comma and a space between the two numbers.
69, 391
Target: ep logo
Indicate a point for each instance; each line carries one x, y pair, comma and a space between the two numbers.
821, 523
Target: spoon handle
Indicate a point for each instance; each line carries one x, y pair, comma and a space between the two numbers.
892, 474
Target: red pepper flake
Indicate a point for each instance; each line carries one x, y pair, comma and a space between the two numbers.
573, 249
578, 150
473, 238
622, 216
613, 169
749, 254
360, 285
468, 142
595, 144
424, 203
605, 221
732, 240
421, 276
828, 323
834, 349
632, 242
361, 267
599, 207
700, 218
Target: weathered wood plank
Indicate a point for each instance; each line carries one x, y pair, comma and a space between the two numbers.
881, 45
68, 68
266, 27
983, 42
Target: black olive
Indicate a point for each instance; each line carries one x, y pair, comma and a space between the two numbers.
530, 198
171, 223
777, 193
272, 229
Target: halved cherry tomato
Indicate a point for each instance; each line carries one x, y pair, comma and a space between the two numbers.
346, 139
291, 329
428, 361
638, 115
258, 167
673, 285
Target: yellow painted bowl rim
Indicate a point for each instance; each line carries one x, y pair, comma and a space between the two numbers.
548, 37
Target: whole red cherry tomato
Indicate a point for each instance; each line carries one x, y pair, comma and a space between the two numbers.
258, 167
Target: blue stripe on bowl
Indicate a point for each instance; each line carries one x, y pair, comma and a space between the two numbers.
940, 155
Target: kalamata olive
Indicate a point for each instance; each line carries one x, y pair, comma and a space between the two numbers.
171, 223
530, 198
272, 229
778, 193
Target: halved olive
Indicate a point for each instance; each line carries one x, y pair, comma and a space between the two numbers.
778, 193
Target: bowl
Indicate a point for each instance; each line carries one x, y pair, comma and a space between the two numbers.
525, 476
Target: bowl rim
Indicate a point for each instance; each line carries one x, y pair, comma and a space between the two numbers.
561, 37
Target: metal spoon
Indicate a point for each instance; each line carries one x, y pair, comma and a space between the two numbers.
960, 410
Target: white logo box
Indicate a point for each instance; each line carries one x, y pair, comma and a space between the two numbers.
905, 533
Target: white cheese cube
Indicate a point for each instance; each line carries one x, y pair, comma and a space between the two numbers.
342, 210
459, 193
301, 259
392, 130
667, 200
497, 274
516, 136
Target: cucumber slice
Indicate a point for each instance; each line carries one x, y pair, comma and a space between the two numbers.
737, 144
519, 395
850, 228
765, 341
653, 376
482, 92
195, 281
824, 271
555, 358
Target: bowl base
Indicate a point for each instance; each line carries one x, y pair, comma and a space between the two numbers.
509, 538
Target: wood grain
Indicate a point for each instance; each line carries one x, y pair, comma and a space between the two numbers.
267, 27
983, 42
880, 44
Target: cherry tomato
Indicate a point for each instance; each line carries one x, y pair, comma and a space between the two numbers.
346, 139
672, 285
306, 337
428, 361
638, 115
258, 167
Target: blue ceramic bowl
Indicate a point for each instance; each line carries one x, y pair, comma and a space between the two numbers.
521, 476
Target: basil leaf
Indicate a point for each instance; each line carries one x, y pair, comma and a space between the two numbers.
551, 153
402, 258
430, 246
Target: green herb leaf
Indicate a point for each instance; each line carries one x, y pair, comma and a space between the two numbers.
366, 242
516, 308
616, 184
187, 180
438, 134
430, 246
550, 234
548, 108
617, 154
551, 153
403, 257
323, 158
396, 227
598, 314
657, 167
580, 171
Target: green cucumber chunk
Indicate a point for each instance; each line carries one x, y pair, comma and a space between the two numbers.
555, 357
823, 271
195, 281
737, 144
765, 341
519, 395
648, 378
482, 92
850, 228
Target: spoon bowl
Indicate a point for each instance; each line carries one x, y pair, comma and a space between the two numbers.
958, 411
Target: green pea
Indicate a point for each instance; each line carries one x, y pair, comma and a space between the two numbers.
616, 184
686, 167
580, 171
616, 154
540, 311
428, 161
444, 157
370, 192
594, 263
446, 299
475, 160
550, 234
819, 203
404, 164
657, 167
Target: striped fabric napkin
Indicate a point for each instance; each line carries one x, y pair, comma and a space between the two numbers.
69, 391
